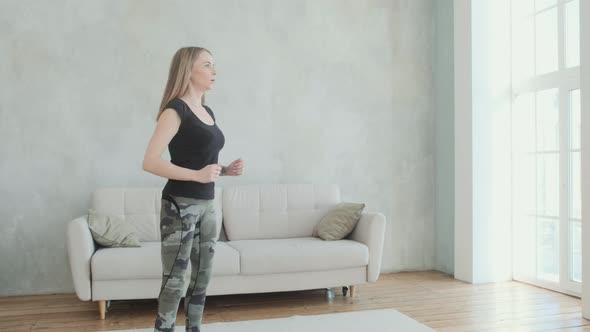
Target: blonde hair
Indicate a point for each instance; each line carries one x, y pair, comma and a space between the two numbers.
179, 75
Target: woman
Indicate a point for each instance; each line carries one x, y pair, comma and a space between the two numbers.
187, 220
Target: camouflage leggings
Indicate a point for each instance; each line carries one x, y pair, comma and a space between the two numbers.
188, 229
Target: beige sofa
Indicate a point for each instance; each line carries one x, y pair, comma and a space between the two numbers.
265, 244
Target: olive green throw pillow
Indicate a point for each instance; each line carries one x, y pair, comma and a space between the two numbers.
339, 222
111, 231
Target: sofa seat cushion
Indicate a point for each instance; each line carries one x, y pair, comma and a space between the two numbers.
145, 262
305, 254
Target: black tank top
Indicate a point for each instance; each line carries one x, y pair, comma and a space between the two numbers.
195, 145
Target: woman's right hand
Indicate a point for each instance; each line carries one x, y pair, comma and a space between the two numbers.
209, 173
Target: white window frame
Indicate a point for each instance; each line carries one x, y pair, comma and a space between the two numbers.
565, 80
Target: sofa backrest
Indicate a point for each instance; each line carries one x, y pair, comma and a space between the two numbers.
140, 207
269, 211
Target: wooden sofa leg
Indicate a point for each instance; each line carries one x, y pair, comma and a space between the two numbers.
102, 308
352, 291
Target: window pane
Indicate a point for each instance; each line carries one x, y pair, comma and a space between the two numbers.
523, 154
525, 245
546, 41
523, 55
523, 123
542, 4
572, 33
522, 8
576, 253
548, 184
548, 250
575, 123
575, 187
547, 120
524, 193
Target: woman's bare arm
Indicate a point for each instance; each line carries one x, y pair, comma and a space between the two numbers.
166, 128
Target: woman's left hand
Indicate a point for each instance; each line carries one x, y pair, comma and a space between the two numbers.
235, 168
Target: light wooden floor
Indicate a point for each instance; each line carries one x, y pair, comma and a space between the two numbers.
433, 298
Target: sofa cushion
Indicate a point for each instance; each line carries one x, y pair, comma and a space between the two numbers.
273, 211
299, 255
145, 262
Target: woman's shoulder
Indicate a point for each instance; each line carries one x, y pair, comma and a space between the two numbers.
177, 105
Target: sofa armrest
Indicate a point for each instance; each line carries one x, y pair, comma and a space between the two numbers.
80, 250
370, 230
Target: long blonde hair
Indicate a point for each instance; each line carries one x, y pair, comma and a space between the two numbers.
179, 75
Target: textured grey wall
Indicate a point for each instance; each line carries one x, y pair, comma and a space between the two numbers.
444, 109
307, 91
